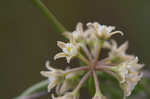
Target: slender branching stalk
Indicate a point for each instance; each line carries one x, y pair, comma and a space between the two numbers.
51, 18
82, 81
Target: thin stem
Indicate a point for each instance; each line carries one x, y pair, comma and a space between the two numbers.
87, 51
82, 81
80, 56
77, 69
103, 61
96, 82
98, 52
52, 19
103, 67
35, 88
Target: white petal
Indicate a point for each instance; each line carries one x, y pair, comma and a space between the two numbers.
45, 73
47, 64
68, 59
123, 47
60, 44
59, 55
116, 32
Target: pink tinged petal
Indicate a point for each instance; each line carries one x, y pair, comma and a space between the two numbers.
60, 44
59, 55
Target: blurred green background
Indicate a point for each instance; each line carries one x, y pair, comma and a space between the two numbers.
27, 39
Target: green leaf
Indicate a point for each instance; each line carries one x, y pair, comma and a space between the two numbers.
110, 86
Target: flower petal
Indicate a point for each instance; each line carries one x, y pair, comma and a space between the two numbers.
68, 59
47, 64
123, 47
45, 73
59, 55
79, 28
116, 32
60, 44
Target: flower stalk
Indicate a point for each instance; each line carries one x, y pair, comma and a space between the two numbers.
51, 18
82, 81
78, 69
96, 82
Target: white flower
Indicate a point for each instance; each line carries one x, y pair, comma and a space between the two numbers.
128, 74
130, 83
78, 34
103, 31
68, 95
69, 50
117, 54
122, 71
55, 76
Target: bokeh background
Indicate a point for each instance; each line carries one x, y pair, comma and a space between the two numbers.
27, 39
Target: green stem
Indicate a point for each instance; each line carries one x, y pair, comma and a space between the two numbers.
99, 50
35, 88
84, 68
52, 19
96, 82
84, 78
80, 56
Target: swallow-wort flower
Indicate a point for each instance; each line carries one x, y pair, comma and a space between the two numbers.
103, 31
129, 74
55, 76
86, 45
69, 50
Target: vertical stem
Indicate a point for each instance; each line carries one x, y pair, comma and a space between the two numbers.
86, 52
98, 52
82, 81
80, 56
52, 19
96, 82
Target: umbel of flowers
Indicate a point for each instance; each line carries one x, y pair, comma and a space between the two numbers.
86, 45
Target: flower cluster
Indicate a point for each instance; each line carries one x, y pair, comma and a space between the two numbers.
86, 45
129, 74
